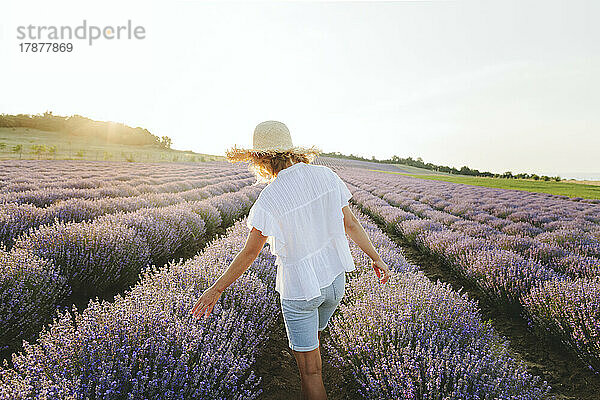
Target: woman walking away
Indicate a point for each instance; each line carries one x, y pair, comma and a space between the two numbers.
303, 215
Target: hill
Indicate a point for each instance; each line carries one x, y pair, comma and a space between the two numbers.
30, 143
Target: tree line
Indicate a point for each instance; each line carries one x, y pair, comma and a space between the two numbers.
76, 125
464, 170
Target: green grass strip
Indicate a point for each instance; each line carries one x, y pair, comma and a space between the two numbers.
558, 188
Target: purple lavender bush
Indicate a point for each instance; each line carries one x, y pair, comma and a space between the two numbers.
94, 257
581, 242
413, 339
78, 183
166, 230
505, 266
231, 205
146, 345
30, 288
209, 214
569, 309
107, 255
504, 275
16, 219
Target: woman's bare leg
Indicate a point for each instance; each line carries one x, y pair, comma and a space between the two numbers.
310, 366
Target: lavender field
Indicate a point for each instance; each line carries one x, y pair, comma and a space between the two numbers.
102, 261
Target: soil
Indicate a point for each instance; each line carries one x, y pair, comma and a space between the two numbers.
280, 377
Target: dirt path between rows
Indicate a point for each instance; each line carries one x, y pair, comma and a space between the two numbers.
280, 377
566, 374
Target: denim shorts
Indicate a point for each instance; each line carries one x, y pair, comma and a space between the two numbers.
303, 318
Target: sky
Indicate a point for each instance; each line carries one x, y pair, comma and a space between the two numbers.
498, 86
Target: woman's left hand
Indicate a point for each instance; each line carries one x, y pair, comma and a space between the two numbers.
206, 302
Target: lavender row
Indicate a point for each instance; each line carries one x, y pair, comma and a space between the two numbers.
513, 282
46, 197
146, 345
570, 310
342, 163
503, 275
16, 219
21, 174
574, 316
107, 255
539, 209
161, 355
575, 234
30, 289
546, 249
22, 182
56, 174
574, 257
112, 250
413, 339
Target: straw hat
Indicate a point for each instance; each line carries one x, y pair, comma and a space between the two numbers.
270, 138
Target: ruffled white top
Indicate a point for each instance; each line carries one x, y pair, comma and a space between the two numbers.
301, 213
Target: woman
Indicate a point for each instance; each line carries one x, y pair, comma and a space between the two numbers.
303, 215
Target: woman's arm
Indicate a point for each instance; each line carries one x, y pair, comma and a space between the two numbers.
358, 235
239, 265
243, 260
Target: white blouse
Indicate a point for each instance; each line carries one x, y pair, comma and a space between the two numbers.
301, 213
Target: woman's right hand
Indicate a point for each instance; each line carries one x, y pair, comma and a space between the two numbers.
379, 266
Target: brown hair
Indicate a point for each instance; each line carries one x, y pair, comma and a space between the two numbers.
267, 164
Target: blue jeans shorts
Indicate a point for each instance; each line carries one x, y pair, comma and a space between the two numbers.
303, 318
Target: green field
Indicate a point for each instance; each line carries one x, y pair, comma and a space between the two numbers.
419, 171
558, 188
37, 144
